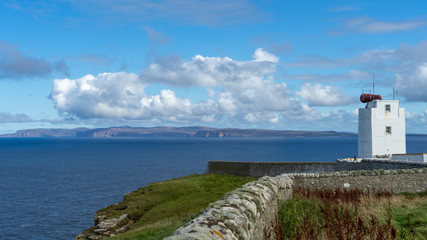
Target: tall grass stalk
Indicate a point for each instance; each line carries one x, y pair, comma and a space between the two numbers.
344, 214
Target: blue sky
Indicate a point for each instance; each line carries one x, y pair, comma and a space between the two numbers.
291, 65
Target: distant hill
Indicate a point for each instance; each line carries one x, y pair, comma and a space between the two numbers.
169, 132
46, 132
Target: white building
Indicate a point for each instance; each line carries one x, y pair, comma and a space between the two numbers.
381, 129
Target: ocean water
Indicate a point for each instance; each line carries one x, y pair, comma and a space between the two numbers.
50, 188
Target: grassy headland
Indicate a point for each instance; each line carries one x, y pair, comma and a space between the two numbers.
157, 210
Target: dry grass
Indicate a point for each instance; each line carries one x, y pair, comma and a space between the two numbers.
352, 214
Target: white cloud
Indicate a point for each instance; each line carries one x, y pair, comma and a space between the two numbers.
410, 68
106, 95
303, 113
243, 86
261, 55
366, 25
407, 64
226, 103
351, 75
416, 122
319, 95
415, 53
211, 71
365, 58
121, 96
311, 119
412, 82
238, 94
250, 117
274, 119
242, 91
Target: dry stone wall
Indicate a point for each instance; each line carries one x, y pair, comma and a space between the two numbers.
247, 212
397, 181
259, 169
242, 214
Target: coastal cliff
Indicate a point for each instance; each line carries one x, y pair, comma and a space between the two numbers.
204, 132
155, 211
158, 210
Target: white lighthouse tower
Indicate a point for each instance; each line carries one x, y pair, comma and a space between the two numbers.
381, 128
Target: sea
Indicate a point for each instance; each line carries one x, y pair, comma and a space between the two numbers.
50, 188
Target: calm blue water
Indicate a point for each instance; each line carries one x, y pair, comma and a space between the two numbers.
50, 188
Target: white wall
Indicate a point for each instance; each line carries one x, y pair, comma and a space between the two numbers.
417, 157
373, 138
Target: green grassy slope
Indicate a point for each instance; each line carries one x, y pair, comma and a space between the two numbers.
160, 208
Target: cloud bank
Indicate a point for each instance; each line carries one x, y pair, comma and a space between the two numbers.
318, 95
195, 12
366, 25
6, 117
237, 91
407, 65
16, 65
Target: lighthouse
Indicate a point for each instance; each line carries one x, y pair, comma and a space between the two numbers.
381, 128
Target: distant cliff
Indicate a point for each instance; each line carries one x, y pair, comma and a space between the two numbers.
169, 132
43, 132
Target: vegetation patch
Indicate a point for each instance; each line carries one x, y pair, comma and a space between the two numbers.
351, 214
157, 210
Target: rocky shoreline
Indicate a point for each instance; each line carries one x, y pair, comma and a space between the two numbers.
106, 227
158, 209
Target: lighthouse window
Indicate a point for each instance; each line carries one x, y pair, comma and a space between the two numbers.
388, 130
387, 108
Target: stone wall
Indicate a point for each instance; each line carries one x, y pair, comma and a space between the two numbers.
396, 181
372, 164
247, 212
259, 169
242, 214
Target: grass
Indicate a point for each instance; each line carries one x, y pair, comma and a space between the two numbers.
157, 210
352, 214
414, 206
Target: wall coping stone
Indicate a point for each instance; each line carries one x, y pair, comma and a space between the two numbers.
376, 160
375, 172
281, 163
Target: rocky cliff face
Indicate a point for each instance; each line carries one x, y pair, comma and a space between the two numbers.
106, 227
216, 133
